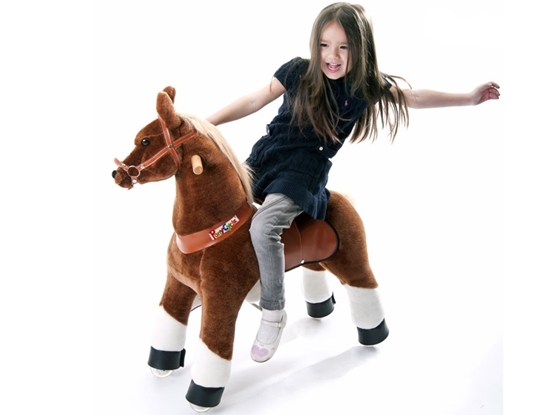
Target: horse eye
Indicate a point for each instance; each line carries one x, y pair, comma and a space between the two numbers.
145, 142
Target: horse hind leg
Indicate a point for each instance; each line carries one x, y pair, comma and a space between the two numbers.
367, 314
351, 266
366, 308
167, 352
317, 292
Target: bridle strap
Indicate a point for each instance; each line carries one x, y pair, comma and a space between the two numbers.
169, 143
169, 148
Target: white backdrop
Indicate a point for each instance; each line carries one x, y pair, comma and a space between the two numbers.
431, 203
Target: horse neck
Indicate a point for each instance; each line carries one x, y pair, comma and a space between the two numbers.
204, 200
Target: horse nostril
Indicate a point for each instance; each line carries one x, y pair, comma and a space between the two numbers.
113, 174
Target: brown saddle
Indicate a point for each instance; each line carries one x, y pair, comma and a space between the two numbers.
308, 241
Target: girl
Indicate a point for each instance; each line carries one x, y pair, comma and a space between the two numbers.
336, 93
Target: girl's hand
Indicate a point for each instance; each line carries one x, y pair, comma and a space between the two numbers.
484, 93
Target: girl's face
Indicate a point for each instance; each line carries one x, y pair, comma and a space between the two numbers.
335, 53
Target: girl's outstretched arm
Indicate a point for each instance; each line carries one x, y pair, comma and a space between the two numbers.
425, 98
248, 104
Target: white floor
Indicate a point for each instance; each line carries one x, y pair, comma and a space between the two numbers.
443, 356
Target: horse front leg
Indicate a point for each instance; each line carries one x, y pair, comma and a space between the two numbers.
211, 367
225, 284
167, 351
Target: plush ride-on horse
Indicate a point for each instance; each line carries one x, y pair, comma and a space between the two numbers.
211, 260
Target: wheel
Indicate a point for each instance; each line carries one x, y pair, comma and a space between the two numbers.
161, 373
197, 408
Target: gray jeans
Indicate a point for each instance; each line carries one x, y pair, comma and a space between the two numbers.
275, 214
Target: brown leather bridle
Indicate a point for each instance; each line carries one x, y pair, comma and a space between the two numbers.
171, 146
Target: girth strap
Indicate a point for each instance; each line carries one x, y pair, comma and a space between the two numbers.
203, 239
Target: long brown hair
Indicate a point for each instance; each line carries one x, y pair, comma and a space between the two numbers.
312, 105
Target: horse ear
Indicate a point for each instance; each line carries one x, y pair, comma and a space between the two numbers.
165, 108
171, 91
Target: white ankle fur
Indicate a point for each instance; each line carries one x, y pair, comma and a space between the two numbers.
365, 306
169, 334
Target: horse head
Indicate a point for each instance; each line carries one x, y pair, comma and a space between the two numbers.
156, 155
209, 178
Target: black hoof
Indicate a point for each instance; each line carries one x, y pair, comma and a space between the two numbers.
204, 397
373, 336
320, 310
162, 360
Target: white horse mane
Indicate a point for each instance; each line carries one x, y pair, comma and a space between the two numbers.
209, 130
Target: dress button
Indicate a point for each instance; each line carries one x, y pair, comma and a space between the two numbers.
320, 148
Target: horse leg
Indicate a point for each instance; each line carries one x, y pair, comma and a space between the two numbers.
317, 292
351, 266
167, 351
212, 364
224, 287
367, 314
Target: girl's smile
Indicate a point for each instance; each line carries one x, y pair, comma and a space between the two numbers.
335, 54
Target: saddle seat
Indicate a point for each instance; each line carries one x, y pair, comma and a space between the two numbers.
307, 241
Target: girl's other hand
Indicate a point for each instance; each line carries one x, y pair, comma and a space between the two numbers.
485, 92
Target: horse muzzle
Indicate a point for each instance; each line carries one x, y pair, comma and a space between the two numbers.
123, 178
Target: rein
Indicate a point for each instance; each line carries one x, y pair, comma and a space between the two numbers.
170, 148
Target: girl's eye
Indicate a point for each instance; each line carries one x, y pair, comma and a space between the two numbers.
323, 45
344, 47
145, 142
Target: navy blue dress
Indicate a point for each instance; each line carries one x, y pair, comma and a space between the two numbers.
296, 162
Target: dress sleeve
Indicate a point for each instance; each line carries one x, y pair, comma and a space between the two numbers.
289, 73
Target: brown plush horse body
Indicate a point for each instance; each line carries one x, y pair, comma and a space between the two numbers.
210, 255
